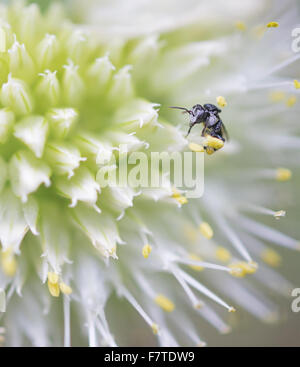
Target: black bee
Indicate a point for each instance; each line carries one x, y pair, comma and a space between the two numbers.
209, 116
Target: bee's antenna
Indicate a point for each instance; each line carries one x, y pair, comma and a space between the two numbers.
182, 108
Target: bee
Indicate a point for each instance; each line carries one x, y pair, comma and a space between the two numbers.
208, 114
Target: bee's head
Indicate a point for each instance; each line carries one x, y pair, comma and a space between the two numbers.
212, 108
197, 113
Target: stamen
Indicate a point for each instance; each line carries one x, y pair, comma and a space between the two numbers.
194, 283
268, 234
242, 268
125, 293
279, 213
214, 319
165, 303
194, 300
102, 326
272, 25
236, 242
271, 257
201, 264
291, 101
67, 323
283, 65
53, 285
206, 230
178, 197
221, 101
146, 251
296, 84
155, 328
252, 301
65, 289
262, 210
197, 258
91, 330
274, 281
283, 174
223, 254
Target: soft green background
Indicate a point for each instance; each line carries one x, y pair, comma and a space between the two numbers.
247, 331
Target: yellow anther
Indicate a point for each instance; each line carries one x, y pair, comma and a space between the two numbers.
52, 277
182, 200
291, 101
242, 268
146, 250
8, 263
231, 309
209, 150
196, 147
178, 197
296, 84
213, 143
283, 174
113, 251
279, 213
206, 230
223, 254
65, 289
198, 305
271, 257
165, 303
221, 101
176, 193
277, 96
195, 257
272, 25
53, 285
155, 328
241, 26
53, 289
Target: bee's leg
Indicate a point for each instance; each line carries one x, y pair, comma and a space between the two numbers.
190, 128
216, 132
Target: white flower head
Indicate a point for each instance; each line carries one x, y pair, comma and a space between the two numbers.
76, 99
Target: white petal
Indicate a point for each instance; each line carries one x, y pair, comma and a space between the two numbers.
54, 237
15, 94
13, 226
61, 121
32, 131
63, 158
100, 228
81, 187
31, 211
27, 173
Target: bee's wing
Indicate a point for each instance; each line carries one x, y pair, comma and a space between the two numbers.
225, 132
